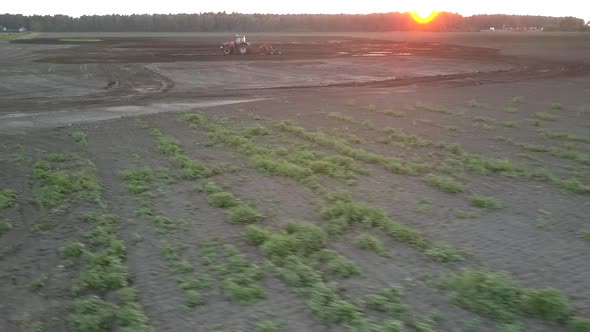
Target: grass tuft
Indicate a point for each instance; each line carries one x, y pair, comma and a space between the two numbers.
443, 252
371, 243
545, 116
80, 137
194, 298
59, 187
7, 198
223, 199
389, 301
244, 214
485, 202
501, 298
268, 326
444, 183
556, 106
337, 264
397, 114
564, 136
5, 226
327, 305
92, 315
241, 279
464, 214
73, 249
433, 108
578, 324
546, 303
517, 100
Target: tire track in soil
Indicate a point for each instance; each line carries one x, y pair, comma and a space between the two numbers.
212, 223
377, 272
206, 224
26, 255
410, 263
157, 291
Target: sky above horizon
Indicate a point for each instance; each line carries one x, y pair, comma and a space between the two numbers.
576, 8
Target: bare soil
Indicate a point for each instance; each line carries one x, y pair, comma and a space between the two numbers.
116, 89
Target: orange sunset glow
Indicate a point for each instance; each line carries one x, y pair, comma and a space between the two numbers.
424, 18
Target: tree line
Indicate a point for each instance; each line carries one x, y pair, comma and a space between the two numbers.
224, 22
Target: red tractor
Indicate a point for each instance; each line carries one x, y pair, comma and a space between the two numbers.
238, 46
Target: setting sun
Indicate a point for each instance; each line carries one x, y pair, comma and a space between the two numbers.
424, 17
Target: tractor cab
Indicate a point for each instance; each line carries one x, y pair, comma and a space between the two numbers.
240, 39
238, 45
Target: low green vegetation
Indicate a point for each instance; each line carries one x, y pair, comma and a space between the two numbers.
564, 136
241, 280
397, 114
57, 157
485, 202
5, 226
452, 129
297, 161
492, 121
38, 283
560, 152
80, 40
518, 100
465, 214
7, 198
300, 256
15, 35
329, 307
95, 314
511, 109
444, 183
444, 253
545, 116
140, 183
395, 165
556, 106
406, 140
501, 298
244, 214
268, 325
369, 242
238, 211
340, 116
578, 324
459, 162
58, 187
80, 137
189, 282
433, 108
190, 169
389, 301
342, 212
223, 199
336, 264
584, 234
73, 250
103, 297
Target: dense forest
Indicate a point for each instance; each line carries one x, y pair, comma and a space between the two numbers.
223, 22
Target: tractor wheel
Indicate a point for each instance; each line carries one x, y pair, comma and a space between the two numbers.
226, 50
243, 49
